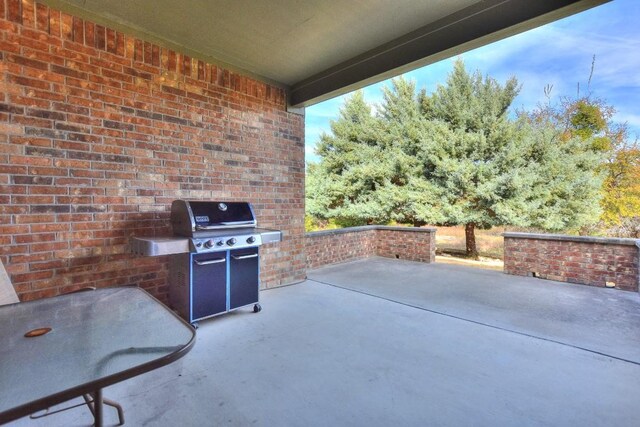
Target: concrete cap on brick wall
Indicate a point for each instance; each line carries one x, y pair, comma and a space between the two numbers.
369, 228
568, 238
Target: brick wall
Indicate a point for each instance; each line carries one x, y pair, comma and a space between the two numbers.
406, 243
336, 246
347, 244
100, 131
574, 259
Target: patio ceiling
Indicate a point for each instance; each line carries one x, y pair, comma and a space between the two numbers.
321, 49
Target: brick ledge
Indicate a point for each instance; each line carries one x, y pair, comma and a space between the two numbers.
581, 239
368, 228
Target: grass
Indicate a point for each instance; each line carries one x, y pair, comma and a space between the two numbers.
452, 240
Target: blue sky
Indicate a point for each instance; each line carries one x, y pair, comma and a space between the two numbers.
559, 54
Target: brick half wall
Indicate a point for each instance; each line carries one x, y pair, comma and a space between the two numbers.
590, 261
348, 244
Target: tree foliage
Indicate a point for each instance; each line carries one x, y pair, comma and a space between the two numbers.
621, 189
590, 120
454, 157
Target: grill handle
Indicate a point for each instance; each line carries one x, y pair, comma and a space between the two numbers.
222, 225
244, 256
211, 261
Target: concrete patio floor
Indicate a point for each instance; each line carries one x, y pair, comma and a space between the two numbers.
381, 342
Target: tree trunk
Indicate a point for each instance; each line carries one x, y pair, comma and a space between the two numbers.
469, 232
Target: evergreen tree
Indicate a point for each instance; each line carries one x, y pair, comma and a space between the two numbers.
404, 128
343, 186
369, 172
453, 157
467, 161
565, 192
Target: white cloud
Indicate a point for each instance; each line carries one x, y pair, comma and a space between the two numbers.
310, 153
632, 119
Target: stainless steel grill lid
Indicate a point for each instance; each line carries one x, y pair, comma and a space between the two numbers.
188, 218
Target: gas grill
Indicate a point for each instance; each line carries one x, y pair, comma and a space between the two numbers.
214, 226
214, 265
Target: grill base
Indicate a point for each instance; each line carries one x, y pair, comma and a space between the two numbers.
207, 285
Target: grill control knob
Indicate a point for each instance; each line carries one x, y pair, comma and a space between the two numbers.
208, 244
231, 241
251, 239
220, 243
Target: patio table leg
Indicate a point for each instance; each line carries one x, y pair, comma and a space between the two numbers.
90, 399
96, 407
118, 408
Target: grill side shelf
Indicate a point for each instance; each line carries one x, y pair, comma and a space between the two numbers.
270, 236
158, 246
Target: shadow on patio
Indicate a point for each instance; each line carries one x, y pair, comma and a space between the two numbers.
388, 342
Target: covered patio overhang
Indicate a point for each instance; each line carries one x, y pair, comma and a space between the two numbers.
317, 50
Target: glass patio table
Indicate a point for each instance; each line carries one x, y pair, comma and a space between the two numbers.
96, 339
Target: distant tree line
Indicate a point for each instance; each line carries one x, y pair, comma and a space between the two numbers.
458, 157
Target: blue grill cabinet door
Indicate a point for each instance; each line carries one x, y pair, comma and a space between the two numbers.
209, 287
244, 277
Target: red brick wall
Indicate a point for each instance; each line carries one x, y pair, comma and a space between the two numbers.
584, 260
347, 244
403, 244
335, 246
100, 131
